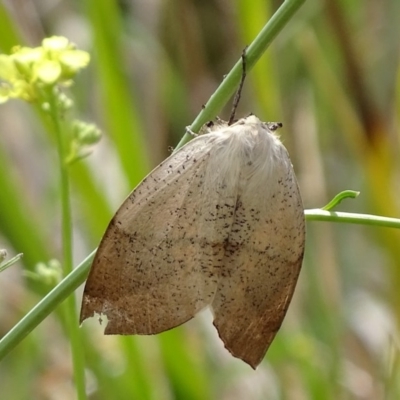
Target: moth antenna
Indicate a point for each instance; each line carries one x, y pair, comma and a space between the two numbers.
238, 94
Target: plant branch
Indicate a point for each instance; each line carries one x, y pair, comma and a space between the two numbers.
66, 228
318, 214
46, 306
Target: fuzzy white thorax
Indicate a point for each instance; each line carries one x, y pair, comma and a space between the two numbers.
246, 152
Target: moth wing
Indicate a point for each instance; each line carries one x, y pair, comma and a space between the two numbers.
262, 262
156, 266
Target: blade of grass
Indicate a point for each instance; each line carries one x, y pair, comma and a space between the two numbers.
9, 33
18, 216
119, 112
264, 85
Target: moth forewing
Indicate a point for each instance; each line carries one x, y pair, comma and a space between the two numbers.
157, 264
219, 223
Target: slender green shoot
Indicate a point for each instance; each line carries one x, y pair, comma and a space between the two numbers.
6, 264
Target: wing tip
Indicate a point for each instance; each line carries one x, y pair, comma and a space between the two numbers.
247, 351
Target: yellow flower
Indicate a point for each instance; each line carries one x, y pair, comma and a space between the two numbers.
26, 70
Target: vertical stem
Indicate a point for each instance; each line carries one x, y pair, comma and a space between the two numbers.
66, 227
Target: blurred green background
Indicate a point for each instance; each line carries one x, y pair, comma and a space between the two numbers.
332, 77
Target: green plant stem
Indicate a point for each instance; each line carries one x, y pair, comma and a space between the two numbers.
352, 194
66, 227
7, 264
46, 306
256, 49
318, 214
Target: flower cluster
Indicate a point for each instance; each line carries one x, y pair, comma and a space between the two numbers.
27, 70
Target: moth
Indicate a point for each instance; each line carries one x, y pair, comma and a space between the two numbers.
220, 223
